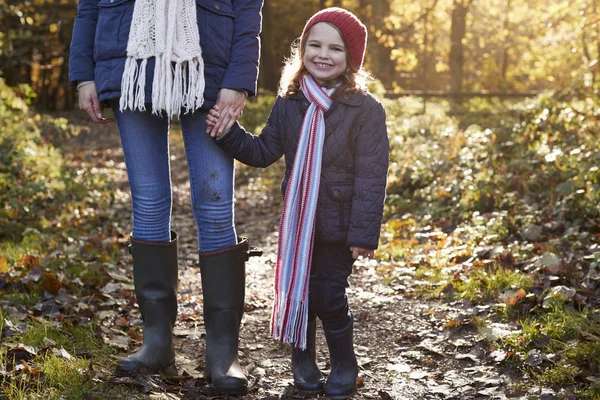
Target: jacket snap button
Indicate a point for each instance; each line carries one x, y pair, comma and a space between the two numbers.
336, 193
217, 6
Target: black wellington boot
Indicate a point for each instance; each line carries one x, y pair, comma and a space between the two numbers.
223, 287
307, 377
155, 280
341, 382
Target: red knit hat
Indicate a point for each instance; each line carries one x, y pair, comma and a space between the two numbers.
354, 31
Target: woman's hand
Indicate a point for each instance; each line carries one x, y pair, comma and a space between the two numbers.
88, 101
360, 251
212, 118
231, 103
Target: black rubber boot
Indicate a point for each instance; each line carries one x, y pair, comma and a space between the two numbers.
307, 377
155, 280
223, 287
341, 382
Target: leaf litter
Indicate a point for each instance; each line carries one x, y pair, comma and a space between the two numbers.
408, 347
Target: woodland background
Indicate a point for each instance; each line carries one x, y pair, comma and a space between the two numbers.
455, 46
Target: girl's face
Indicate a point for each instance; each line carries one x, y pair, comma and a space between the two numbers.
325, 54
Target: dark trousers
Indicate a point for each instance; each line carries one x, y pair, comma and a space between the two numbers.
330, 269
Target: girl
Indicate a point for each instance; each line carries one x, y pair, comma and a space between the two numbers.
151, 60
334, 138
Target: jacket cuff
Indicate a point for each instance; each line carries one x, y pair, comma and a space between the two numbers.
364, 245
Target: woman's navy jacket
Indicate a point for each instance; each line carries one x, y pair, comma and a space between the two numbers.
229, 37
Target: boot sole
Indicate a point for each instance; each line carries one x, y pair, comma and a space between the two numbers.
339, 396
230, 391
311, 389
169, 370
239, 390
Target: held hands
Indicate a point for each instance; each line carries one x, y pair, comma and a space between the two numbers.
229, 107
359, 251
213, 118
88, 101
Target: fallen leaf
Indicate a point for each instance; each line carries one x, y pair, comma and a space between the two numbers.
3, 265
401, 368
512, 297
29, 261
416, 375
535, 358
498, 355
62, 353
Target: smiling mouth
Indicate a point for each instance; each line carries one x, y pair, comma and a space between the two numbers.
322, 64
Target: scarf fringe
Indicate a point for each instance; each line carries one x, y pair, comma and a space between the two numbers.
289, 320
175, 87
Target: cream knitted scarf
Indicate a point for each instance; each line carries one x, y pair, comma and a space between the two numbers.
166, 30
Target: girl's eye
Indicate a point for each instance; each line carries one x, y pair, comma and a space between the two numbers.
313, 45
338, 49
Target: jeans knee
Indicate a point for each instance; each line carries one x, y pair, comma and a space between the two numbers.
152, 218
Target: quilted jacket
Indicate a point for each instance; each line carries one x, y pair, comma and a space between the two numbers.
229, 37
354, 166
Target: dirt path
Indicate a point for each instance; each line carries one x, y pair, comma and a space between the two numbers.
404, 348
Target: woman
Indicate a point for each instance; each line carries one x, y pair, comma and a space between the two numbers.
151, 60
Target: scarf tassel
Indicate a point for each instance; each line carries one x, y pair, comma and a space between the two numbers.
289, 321
128, 84
157, 100
141, 86
177, 90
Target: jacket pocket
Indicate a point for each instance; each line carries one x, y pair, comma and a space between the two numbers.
342, 195
112, 29
215, 25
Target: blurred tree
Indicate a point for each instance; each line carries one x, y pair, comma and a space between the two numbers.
433, 45
457, 58
34, 48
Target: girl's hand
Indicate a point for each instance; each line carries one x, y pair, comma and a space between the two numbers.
212, 119
88, 101
360, 251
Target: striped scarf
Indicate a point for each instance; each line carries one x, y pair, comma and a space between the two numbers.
289, 319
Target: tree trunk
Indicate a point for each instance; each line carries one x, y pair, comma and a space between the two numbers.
382, 65
457, 58
506, 25
596, 68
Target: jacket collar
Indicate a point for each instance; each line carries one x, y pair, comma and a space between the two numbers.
355, 99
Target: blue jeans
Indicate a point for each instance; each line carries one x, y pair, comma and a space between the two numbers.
145, 141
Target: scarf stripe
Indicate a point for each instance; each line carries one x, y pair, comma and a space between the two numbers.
289, 318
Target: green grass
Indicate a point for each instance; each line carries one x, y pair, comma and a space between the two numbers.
68, 377
558, 374
63, 378
490, 283
23, 298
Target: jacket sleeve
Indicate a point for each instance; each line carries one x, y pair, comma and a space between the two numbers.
81, 55
371, 166
242, 72
256, 151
